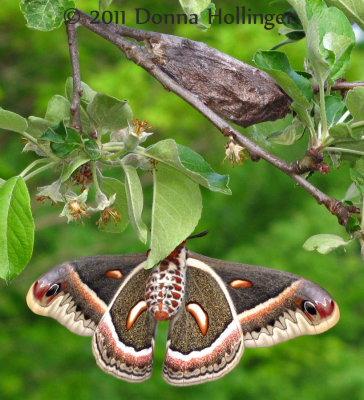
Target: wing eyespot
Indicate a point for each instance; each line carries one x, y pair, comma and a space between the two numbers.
311, 311
53, 290
309, 308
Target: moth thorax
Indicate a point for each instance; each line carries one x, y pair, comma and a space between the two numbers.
165, 286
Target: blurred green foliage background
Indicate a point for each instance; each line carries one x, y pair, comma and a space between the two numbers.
264, 222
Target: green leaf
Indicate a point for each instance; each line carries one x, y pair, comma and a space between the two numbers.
61, 131
355, 103
45, 15
290, 134
134, 195
104, 4
334, 109
352, 225
53, 136
194, 6
316, 54
194, 162
269, 129
303, 114
16, 228
72, 136
2, 181
315, 8
356, 145
324, 243
12, 121
63, 139
91, 148
291, 20
341, 64
204, 18
300, 8
293, 34
58, 109
278, 66
109, 186
353, 9
358, 179
190, 163
341, 131
330, 39
109, 113
352, 193
199, 9
292, 28
71, 167
37, 126
87, 93
63, 150
177, 206
359, 165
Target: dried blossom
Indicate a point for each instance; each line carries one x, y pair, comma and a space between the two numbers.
84, 175
134, 134
75, 208
106, 215
51, 192
234, 152
102, 202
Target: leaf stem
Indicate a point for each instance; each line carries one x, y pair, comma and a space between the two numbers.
33, 164
357, 124
111, 144
343, 117
115, 148
113, 156
343, 150
40, 145
94, 177
360, 233
324, 133
39, 170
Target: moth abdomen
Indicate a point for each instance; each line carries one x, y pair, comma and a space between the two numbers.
164, 289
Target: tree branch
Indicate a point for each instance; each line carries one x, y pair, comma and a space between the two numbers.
144, 59
341, 86
232, 89
77, 88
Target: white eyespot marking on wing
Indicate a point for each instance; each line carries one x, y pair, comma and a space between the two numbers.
134, 313
200, 316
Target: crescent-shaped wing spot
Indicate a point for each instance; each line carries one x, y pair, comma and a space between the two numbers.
114, 273
134, 313
240, 283
200, 315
